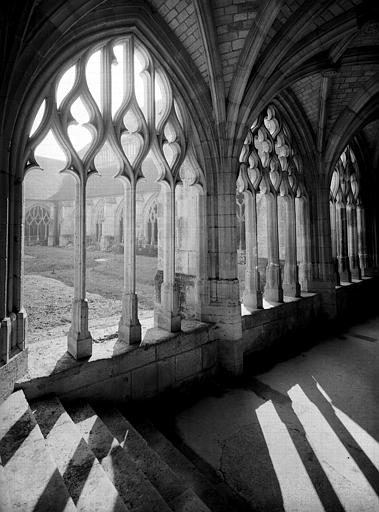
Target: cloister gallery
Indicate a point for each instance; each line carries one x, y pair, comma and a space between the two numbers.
235, 143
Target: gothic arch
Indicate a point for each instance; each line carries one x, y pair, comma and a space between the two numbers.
297, 121
150, 221
99, 220
116, 22
271, 171
279, 73
119, 223
290, 110
59, 48
151, 121
37, 223
362, 108
348, 219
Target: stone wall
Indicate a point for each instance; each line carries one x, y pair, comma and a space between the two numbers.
265, 328
163, 361
170, 361
357, 300
11, 372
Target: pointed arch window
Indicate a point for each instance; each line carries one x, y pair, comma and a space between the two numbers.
116, 98
152, 225
99, 221
347, 219
276, 219
37, 222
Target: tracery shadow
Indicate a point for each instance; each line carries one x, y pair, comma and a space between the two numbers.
15, 436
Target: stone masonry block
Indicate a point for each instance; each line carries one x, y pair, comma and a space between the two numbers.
118, 388
10, 372
145, 382
209, 355
230, 356
181, 343
133, 358
188, 364
166, 373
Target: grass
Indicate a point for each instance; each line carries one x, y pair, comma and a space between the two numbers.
102, 277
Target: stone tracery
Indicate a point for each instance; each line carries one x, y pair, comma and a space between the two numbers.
262, 77
270, 172
347, 214
141, 118
37, 221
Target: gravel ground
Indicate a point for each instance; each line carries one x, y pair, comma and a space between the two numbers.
48, 304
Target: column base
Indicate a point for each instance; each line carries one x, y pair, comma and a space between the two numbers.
129, 327
345, 276
344, 269
166, 320
252, 300
356, 273
337, 275
78, 347
21, 323
252, 296
273, 294
166, 313
5, 340
291, 285
292, 290
273, 289
129, 334
13, 334
79, 339
305, 276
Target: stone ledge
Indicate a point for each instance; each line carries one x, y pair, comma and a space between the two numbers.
356, 299
15, 369
52, 369
264, 316
265, 327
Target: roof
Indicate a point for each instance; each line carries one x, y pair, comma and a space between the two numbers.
52, 185
43, 184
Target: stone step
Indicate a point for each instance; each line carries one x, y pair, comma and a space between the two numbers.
175, 492
33, 482
5, 499
85, 479
132, 485
215, 493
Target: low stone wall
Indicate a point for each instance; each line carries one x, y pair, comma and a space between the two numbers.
11, 372
265, 328
116, 372
292, 325
358, 300
175, 360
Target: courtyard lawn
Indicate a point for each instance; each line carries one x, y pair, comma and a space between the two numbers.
48, 287
105, 275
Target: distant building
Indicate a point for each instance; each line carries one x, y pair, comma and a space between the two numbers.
50, 202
